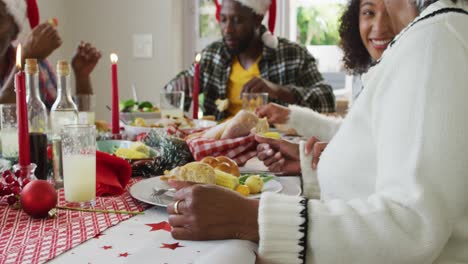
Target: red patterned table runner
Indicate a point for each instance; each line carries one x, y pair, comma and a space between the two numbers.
27, 240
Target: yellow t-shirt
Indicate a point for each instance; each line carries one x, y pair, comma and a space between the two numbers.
238, 77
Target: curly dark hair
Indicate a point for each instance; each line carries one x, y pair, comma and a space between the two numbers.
356, 57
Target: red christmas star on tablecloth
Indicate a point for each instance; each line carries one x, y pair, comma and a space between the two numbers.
171, 246
107, 247
98, 235
124, 255
160, 226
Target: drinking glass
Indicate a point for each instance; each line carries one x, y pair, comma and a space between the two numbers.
86, 104
79, 164
172, 104
9, 130
251, 101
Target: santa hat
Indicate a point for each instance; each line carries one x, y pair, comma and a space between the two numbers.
22, 9
260, 7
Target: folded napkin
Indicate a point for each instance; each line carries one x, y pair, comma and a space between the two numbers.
240, 149
112, 174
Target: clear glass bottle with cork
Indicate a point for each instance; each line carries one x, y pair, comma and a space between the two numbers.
38, 120
63, 112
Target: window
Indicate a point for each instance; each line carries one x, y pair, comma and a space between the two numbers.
315, 25
208, 29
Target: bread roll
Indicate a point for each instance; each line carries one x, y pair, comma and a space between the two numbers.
223, 163
210, 161
262, 126
240, 125
193, 172
101, 125
214, 132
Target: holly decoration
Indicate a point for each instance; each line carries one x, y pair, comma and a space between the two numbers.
38, 198
11, 185
173, 152
35, 197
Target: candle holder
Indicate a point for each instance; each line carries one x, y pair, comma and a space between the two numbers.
25, 172
116, 137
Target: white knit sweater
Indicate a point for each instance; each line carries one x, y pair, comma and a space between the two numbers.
394, 179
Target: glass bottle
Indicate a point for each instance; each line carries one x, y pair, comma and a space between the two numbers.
63, 112
38, 120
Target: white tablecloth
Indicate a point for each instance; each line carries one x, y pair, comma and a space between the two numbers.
138, 240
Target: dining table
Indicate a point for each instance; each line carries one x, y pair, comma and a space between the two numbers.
143, 238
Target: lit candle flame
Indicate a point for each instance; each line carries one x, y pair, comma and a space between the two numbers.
114, 58
18, 57
198, 58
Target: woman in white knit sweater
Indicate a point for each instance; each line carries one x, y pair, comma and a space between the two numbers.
394, 178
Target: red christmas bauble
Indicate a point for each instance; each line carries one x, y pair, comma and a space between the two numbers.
38, 198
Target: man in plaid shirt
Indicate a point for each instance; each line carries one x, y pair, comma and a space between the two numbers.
287, 72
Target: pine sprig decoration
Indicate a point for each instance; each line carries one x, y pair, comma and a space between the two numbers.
173, 151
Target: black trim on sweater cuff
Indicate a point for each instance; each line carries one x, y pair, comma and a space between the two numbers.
303, 229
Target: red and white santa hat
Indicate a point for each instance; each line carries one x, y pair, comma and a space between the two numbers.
22, 12
260, 7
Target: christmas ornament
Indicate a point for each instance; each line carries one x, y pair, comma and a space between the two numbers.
38, 198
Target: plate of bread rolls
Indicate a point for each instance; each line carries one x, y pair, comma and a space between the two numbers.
221, 171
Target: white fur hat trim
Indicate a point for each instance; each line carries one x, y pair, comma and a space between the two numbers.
270, 40
260, 7
17, 9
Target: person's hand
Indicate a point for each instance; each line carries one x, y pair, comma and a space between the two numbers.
259, 85
41, 41
210, 212
85, 60
275, 113
316, 147
279, 156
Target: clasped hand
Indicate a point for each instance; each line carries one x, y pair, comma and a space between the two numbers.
209, 212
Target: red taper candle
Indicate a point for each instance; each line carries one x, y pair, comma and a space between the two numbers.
196, 86
115, 95
21, 113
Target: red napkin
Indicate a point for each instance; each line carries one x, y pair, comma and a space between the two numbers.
112, 174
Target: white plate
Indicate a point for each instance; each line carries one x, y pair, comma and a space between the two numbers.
143, 190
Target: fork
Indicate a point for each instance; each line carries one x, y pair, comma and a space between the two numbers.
159, 192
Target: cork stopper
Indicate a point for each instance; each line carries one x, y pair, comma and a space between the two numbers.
31, 66
63, 68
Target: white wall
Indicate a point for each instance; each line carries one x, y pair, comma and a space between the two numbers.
110, 25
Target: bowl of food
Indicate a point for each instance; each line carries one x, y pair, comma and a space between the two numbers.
129, 150
130, 110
